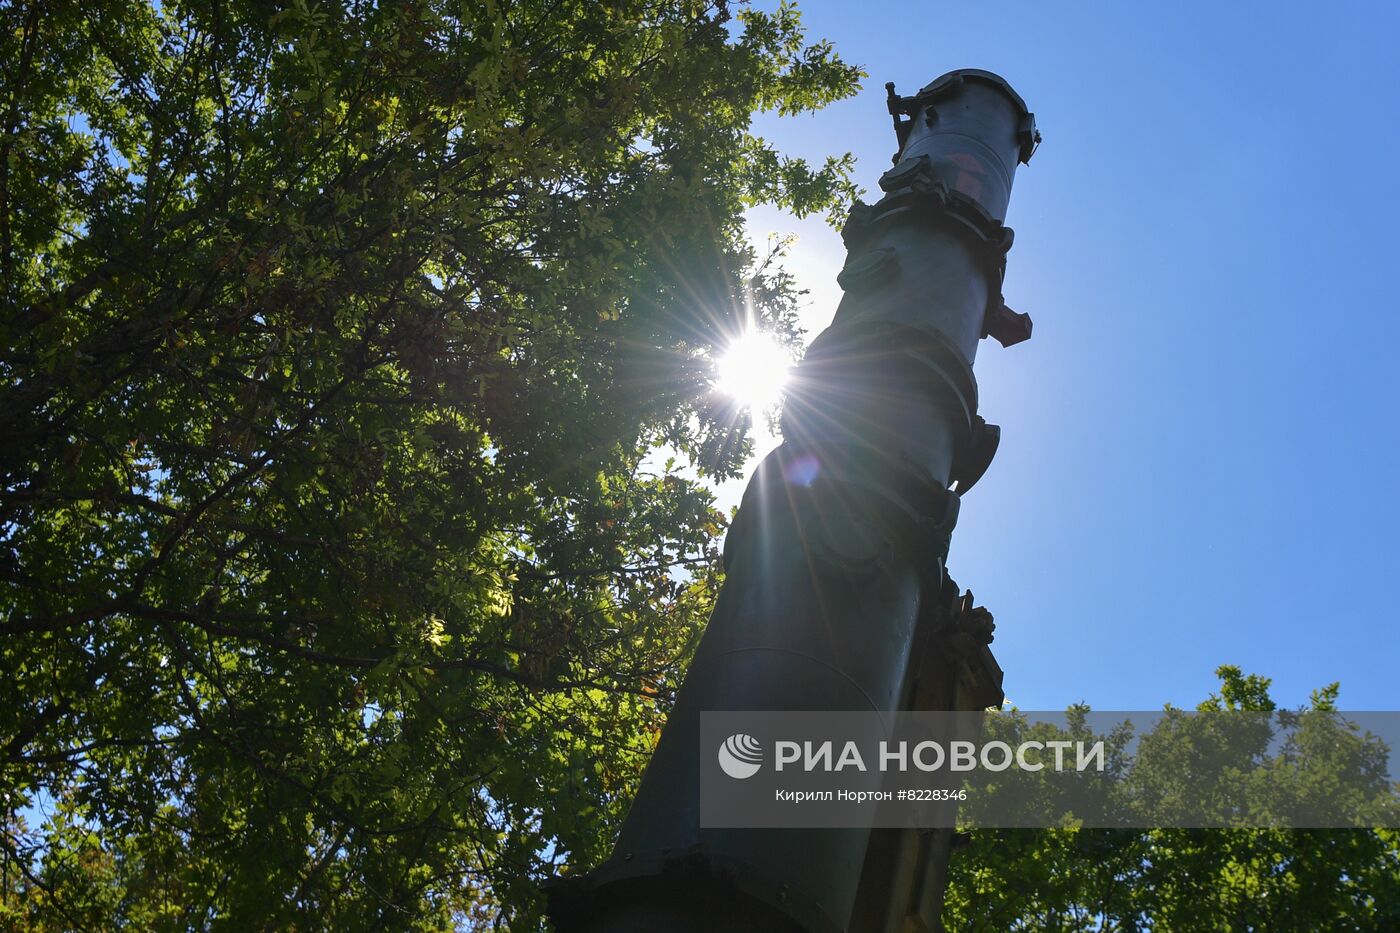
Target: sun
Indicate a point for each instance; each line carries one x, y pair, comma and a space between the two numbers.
753, 370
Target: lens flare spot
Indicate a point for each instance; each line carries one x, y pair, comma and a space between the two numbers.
803, 470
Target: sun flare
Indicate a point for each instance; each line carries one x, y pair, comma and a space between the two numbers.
753, 370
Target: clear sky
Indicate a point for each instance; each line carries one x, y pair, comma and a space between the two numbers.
1199, 462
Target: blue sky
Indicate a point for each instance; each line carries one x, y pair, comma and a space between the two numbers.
1199, 462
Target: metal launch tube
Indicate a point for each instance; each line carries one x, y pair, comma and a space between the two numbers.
840, 540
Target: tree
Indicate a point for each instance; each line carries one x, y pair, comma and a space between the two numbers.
1178, 880
342, 584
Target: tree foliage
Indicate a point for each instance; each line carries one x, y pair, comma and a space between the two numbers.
1174, 880
343, 585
